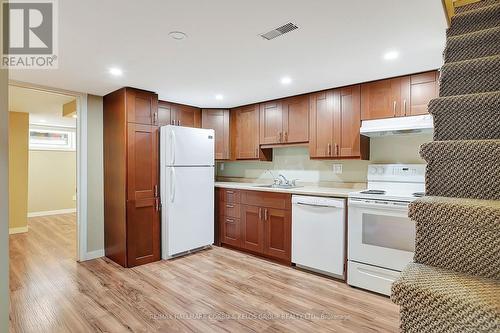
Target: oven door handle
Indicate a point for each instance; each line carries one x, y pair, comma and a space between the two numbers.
378, 204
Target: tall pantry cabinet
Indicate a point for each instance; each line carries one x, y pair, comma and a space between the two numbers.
131, 177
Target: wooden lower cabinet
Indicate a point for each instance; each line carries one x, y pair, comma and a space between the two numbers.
260, 224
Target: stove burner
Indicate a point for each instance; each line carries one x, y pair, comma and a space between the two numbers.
418, 194
373, 192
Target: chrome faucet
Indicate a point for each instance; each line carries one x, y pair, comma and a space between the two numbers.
283, 180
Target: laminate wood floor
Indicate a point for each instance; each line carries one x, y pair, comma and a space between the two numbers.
216, 290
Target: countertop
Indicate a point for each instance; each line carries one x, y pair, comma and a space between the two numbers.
339, 192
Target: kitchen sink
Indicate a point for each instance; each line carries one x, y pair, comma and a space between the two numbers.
284, 186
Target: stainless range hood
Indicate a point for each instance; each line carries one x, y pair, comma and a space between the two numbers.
397, 126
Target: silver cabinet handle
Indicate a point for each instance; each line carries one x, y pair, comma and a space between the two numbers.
260, 213
230, 221
337, 149
286, 136
404, 106
155, 118
172, 122
229, 206
257, 152
329, 149
156, 190
394, 108
265, 214
281, 137
178, 123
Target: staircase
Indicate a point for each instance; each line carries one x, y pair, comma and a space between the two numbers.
453, 285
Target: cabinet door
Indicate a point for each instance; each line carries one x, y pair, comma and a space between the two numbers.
230, 231
164, 113
271, 123
350, 117
187, 116
277, 233
142, 107
423, 88
142, 162
296, 119
381, 99
252, 233
321, 124
218, 120
247, 132
143, 231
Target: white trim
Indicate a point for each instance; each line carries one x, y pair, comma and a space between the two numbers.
52, 212
81, 167
93, 255
20, 230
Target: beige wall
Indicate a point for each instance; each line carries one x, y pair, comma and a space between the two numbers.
18, 171
295, 162
95, 170
4, 200
52, 180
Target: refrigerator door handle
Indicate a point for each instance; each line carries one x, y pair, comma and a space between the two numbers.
172, 146
172, 185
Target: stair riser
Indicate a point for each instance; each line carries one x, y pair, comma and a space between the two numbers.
470, 77
472, 46
485, 18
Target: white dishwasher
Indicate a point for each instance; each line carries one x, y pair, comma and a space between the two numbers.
318, 234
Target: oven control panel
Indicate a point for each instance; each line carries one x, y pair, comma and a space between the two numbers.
396, 172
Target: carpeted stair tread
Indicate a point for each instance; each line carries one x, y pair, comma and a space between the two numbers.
478, 44
458, 234
466, 117
439, 300
474, 20
475, 5
462, 168
470, 76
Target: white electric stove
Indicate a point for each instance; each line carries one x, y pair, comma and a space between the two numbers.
381, 237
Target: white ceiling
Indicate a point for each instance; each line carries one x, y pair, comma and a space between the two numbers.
44, 108
339, 42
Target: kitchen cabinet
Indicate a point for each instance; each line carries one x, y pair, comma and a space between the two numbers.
335, 124
258, 222
398, 97
284, 121
247, 132
131, 194
218, 120
178, 114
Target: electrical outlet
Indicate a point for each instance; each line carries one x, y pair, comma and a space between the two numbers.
221, 166
337, 168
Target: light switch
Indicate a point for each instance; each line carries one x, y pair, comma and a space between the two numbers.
337, 168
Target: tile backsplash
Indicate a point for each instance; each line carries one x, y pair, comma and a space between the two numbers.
294, 162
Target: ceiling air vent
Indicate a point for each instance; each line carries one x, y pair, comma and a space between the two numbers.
285, 28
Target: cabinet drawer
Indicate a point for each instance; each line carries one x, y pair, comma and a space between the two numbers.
230, 196
266, 199
230, 209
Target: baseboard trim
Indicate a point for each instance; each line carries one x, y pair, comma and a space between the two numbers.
52, 212
93, 255
20, 230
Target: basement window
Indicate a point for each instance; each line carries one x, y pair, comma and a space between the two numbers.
52, 138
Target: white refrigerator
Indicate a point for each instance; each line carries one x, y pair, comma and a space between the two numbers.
187, 189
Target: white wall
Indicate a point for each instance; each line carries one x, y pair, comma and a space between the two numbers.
95, 175
4, 201
294, 162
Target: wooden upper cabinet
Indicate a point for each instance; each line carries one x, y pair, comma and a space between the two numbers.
247, 132
218, 120
188, 116
164, 113
142, 107
399, 97
381, 99
321, 118
349, 144
271, 123
295, 119
422, 88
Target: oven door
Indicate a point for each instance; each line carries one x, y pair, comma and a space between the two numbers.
380, 233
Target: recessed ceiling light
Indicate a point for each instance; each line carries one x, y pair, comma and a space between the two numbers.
391, 55
115, 71
219, 97
178, 35
286, 80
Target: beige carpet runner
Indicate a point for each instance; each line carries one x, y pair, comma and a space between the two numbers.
454, 283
